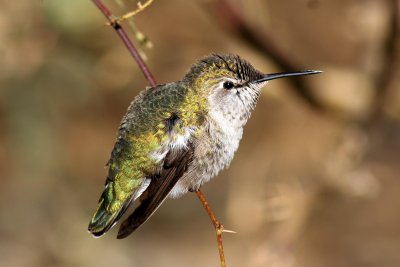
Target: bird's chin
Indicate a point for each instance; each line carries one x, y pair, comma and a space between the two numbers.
259, 85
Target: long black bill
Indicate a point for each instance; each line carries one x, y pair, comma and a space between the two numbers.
274, 76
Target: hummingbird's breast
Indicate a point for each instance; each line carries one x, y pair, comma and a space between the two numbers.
214, 150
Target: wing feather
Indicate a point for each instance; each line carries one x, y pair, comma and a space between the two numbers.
175, 165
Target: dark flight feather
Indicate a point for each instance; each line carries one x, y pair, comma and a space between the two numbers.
175, 165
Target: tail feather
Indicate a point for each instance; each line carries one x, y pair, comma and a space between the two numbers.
102, 220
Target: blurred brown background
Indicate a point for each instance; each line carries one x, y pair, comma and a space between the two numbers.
315, 182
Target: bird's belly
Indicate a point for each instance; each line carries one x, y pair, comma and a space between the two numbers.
213, 153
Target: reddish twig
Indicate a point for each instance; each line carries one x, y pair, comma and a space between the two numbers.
219, 228
127, 42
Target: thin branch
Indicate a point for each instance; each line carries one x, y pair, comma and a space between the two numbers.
140, 8
219, 228
127, 42
141, 39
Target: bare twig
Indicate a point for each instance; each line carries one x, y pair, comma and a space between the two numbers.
219, 228
140, 38
127, 42
139, 9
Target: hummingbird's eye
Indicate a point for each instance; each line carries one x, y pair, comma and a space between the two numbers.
228, 85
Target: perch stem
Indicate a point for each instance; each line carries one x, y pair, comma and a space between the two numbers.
127, 42
219, 228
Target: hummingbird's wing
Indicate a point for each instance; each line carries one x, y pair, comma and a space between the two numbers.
175, 165
152, 152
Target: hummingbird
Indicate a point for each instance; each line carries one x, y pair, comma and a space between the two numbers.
175, 137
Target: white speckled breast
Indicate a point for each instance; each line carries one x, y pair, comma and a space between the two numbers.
215, 148
214, 151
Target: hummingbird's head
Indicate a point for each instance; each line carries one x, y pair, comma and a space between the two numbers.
231, 84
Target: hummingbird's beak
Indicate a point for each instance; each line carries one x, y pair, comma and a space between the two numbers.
274, 76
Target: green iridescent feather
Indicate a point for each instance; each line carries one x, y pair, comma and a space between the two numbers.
143, 131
